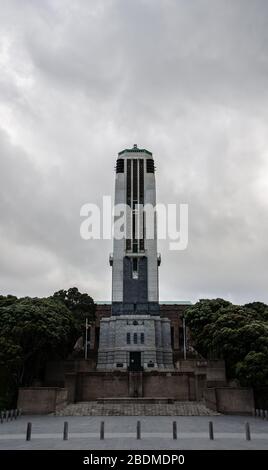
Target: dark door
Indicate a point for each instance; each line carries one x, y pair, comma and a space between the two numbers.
135, 360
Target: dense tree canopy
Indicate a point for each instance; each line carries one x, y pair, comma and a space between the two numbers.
238, 334
81, 305
33, 331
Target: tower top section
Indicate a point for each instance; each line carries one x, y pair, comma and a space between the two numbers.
135, 149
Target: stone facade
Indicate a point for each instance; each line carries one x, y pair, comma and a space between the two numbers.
230, 400
149, 335
95, 385
42, 400
173, 311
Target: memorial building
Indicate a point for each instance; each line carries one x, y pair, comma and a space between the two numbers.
135, 336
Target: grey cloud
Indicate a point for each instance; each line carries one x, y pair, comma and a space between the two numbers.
81, 81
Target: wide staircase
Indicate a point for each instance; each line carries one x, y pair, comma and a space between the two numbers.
136, 407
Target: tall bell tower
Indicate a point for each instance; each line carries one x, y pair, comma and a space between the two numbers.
135, 337
135, 261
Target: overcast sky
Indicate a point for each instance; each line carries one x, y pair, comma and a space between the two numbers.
80, 81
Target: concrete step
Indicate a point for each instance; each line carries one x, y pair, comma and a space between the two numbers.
140, 400
134, 408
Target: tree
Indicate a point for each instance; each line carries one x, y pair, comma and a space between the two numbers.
253, 369
199, 318
7, 300
81, 305
33, 331
237, 334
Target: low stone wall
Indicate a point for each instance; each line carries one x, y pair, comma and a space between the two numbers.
210, 398
56, 370
176, 385
93, 385
214, 370
42, 400
86, 386
230, 400
61, 398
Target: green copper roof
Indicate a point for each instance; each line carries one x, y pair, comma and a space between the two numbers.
135, 149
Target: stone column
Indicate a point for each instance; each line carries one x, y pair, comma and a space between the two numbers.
176, 335
166, 339
158, 343
104, 344
92, 337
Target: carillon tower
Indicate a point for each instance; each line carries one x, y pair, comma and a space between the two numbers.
135, 337
135, 261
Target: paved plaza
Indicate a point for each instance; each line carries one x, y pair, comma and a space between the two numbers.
120, 433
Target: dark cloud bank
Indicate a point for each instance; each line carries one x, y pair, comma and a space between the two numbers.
82, 80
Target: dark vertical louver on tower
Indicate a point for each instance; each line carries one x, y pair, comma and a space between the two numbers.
128, 240
134, 203
129, 182
135, 183
150, 165
134, 196
141, 177
133, 225
141, 197
120, 165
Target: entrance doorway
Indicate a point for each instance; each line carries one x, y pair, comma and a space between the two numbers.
135, 361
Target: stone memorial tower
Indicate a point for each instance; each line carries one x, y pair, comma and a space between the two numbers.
135, 337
